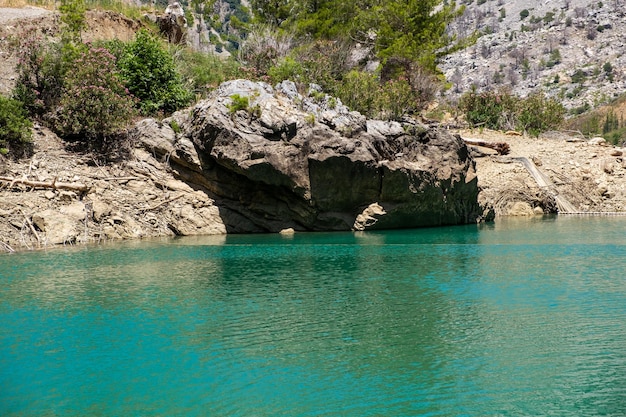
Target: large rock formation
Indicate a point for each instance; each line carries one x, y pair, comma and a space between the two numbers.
173, 23
275, 159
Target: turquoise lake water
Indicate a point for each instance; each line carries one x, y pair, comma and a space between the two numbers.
517, 318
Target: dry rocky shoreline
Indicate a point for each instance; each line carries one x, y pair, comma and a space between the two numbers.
137, 198
590, 174
141, 198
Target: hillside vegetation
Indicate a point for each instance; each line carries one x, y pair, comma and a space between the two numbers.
385, 59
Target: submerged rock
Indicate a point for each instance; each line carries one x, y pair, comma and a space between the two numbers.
274, 159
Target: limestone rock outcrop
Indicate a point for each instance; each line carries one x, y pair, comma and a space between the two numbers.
275, 159
173, 24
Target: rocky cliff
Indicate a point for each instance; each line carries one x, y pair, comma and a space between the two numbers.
252, 158
275, 159
572, 50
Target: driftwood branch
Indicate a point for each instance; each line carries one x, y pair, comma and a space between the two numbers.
41, 184
7, 247
502, 148
162, 203
31, 227
121, 179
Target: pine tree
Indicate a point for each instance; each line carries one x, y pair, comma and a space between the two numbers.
413, 30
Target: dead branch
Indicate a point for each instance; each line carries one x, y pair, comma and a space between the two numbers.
502, 148
121, 179
163, 203
41, 184
32, 228
7, 247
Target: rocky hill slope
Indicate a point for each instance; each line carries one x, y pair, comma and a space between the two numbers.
18, 24
573, 50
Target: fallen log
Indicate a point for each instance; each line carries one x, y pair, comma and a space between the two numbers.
41, 184
502, 148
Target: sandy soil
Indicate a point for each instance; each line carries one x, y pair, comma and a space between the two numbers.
591, 176
9, 13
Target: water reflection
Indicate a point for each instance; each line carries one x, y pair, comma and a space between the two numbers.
477, 320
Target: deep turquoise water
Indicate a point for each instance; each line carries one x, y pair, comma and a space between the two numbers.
520, 318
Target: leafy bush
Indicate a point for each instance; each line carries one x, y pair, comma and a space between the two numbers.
360, 91
537, 114
204, 72
40, 73
95, 103
396, 99
15, 127
243, 103
73, 18
601, 122
287, 69
493, 110
150, 74
579, 76
238, 103
264, 47
322, 62
363, 92
501, 110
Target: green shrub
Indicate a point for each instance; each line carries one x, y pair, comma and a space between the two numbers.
238, 103
360, 91
323, 63
95, 103
287, 69
363, 92
243, 103
537, 114
579, 76
396, 99
616, 137
73, 17
549, 17
150, 74
310, 119
204, 72
15, 127
493, 110
40, 73
175, 127
264, 47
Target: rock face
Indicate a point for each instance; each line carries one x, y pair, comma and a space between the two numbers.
275, 159
558, 42
173, 23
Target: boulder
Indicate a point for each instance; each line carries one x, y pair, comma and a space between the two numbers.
58, 228
100, 210
75, 211
173, 24
597, 141
368, 217
308, 163
521, 208
189, 221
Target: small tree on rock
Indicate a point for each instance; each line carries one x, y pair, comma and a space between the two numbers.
150, 74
